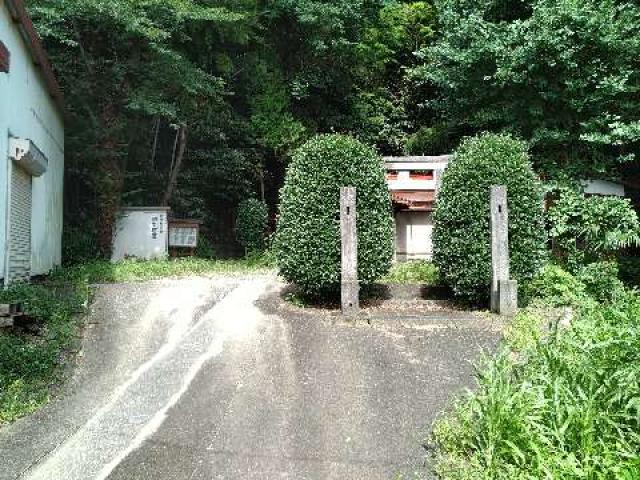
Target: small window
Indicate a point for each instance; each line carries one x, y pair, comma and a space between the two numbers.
421, 175
392, 175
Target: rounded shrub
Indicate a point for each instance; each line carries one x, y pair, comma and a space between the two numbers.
307, 241
462, 236
251, 225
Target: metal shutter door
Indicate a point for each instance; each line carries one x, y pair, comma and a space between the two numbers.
20, 226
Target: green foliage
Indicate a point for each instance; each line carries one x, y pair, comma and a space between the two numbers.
344, 63
561, 74
204, 249
248, 80
591, 229
78, 245
555, 287
272, 121
417, 271
526, 329
462, 237
601, 281
565, 408
252, 222
307, 241
630, 270
30, 364
384, 101
133, 73
433, 140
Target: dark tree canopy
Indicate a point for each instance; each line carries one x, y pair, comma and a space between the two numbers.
562, 74
200, 103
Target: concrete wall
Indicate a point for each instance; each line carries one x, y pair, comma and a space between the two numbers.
414, 232
27, 111
603, 187
141, 233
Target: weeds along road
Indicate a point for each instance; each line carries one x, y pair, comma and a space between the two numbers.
210, 379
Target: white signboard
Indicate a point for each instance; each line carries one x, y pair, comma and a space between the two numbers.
183, 236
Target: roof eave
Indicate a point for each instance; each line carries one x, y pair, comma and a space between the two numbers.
40, 59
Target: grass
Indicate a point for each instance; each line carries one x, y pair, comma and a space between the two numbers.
567, 406
102, 271
31, 362
416, 271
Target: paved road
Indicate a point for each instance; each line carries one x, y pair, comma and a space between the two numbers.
233, 389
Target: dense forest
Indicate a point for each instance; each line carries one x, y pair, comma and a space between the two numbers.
197, 104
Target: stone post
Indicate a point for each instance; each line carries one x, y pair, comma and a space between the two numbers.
504, 292
348, 231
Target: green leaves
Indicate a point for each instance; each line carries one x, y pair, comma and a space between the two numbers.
251, 225
559, 404
462, 249
561, 74
591, 229
307, 241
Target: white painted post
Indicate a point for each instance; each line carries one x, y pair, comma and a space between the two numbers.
348, 230
504, 292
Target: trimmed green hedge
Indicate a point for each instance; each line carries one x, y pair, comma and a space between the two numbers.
307, 241
462, 236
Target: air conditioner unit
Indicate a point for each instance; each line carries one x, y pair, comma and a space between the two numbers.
29, 157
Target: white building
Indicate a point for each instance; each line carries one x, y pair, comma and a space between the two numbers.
414, 184
603, 187
31, 151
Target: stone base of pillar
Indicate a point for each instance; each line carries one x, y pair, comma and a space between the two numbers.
508, 297
350, 297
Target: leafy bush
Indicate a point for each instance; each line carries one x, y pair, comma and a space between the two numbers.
307, 242
462, 237
555, 286
79, 245
251, 225
601, 281
567, 409
434, 140
205, 248
587, 230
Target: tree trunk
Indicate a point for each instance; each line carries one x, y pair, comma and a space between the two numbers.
175, 171
109, 181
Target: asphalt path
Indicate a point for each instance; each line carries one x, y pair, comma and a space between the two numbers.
213, 379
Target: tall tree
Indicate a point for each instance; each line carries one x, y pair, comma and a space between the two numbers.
128, 67
563, 74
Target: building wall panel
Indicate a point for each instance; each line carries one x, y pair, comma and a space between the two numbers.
28, 111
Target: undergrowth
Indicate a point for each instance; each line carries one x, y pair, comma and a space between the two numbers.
136, 270
30, 361
416, 271
559, 403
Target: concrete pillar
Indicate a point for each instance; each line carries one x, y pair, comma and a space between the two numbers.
348, 230
499, 243
508, 297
